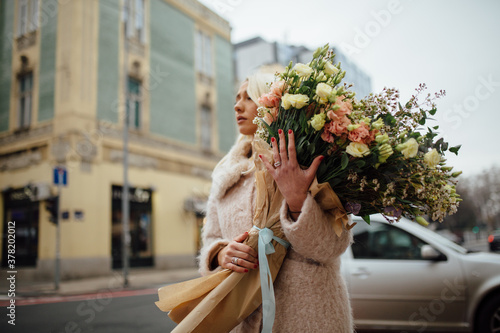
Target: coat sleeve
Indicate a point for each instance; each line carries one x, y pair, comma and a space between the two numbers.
212, 240
312, 235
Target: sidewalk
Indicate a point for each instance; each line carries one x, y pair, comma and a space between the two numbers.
138, 279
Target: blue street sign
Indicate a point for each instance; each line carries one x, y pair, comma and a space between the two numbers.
60, 176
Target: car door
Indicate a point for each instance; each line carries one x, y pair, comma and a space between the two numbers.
391, 286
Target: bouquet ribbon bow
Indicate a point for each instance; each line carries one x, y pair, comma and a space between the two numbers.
266, 235
220, 301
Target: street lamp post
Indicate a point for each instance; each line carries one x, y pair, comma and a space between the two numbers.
125, 193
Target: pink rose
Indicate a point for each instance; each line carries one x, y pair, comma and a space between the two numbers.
345, 106
327, 135
360, 134
274, 111
372, 135
332, 115
268, 118
269, 100
277, 88
339, 125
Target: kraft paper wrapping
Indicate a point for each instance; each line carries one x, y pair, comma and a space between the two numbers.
219, 302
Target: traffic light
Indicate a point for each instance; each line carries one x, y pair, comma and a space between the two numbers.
52, 206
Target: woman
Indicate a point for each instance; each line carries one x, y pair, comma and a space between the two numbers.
311, 295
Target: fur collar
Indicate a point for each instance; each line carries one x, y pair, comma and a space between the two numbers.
231, 167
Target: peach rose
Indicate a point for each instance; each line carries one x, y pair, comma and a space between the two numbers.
268, 118
345, 106
327, 135
360, 133
332, 115
270, 115
339, 125
277, 88
269, 100
371, 137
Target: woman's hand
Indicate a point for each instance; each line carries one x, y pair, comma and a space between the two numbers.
292, 180
237, 256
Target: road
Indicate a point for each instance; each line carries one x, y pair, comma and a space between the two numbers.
99, 313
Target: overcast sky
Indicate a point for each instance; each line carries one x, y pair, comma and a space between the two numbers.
452, 45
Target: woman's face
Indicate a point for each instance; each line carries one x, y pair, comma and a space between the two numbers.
246, 110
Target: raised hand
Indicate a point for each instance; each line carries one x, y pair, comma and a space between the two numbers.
292, 180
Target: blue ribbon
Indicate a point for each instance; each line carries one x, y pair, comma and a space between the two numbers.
266, 235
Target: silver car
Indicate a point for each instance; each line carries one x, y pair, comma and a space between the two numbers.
402, 276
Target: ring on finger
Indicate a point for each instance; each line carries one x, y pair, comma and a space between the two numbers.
234, 261
277, 164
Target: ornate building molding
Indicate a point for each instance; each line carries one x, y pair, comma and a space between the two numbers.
21, 160
25, 135
149, 141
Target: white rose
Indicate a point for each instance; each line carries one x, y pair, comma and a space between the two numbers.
323, 91
432, 158
302, 70
409, 148
318, 121
297, 101
357, 149
285, 101
330, 69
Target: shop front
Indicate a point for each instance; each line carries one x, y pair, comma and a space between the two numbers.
21, 208
140, 227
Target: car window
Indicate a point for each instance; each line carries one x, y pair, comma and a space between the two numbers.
384, 241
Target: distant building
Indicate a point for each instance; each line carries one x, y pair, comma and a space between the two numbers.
66, 67
252, 54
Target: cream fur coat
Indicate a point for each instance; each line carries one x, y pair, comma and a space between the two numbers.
311, 295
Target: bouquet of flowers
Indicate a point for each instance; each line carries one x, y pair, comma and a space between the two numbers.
379, 158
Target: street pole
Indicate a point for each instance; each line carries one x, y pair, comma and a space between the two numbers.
57, 273
125, 194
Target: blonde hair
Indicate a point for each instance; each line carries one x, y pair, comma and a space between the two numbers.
258, 85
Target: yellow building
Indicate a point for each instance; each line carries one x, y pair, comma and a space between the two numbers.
66, 68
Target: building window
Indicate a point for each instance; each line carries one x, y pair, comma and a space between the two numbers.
25, 98
203, 54
133, 16
134, 103
27, 16
206, 127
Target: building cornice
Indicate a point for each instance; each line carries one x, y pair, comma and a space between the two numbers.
21, 140
199, 12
